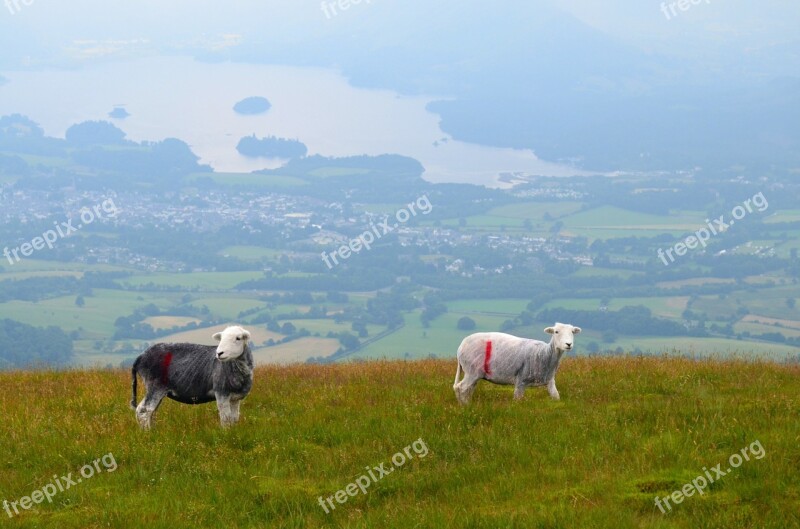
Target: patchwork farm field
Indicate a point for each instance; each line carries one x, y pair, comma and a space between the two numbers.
626, 430
94, 322
96, 317
669, 307
414, 340
605, 222
712, 347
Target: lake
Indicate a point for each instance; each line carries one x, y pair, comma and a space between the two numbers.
193, 101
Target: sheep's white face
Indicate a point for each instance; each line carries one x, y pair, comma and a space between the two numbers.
563, 336
232, 342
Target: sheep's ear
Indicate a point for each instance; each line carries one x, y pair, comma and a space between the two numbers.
246, 335
550, 330
217, 336
576, 330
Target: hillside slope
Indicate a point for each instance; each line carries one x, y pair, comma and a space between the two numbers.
626, 430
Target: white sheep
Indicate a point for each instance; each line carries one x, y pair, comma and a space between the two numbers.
509, 360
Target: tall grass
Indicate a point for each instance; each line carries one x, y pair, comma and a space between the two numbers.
625, 430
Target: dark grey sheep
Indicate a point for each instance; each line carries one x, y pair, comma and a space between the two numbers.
195, 374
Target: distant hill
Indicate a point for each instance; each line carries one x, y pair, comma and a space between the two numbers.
569, 91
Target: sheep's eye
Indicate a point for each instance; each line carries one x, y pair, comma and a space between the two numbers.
556, 332
238, 338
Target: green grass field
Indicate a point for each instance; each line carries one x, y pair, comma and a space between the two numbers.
196, 280
609, 222
512, 307
759, 328
97, 317
717, 347
610, 217
37, 265
513, 217
595, 271
770, 303
324, 326
441, 339
228, 307
251, 253
625, 431
250, 180
784, 215
785, 249
665, 307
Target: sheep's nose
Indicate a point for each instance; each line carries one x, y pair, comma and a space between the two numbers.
569, 345
220, 353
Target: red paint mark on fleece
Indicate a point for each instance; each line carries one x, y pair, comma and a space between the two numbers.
165, 363
488, 357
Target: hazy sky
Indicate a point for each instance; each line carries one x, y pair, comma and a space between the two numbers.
719, 78
50, 27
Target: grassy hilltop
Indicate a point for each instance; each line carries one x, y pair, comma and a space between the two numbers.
627, 429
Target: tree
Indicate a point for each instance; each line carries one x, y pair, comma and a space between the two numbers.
80, 302
592, 347
271, 147
349, 341
434, 307
360, 328
19, 126
337, 297
33, 346
609, 337
791, 303
95, 133
466, 324
526, 318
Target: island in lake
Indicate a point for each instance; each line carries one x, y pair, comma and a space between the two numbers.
119, 113
271, 147
252, 105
